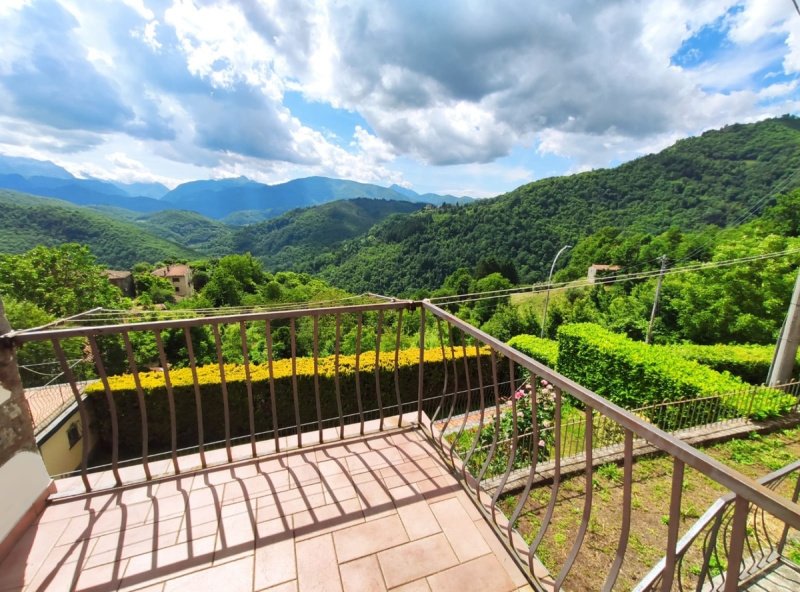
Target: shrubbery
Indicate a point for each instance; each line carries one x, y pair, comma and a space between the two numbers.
156, 400
541, 350
749, 362
633, 374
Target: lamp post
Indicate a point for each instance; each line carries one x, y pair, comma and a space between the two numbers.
550, 277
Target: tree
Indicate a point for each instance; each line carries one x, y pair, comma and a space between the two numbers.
232, 278
62, 280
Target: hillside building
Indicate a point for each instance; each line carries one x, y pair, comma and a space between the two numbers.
599, 270
122, 280
181, 277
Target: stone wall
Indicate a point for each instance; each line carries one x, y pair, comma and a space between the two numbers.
24, 481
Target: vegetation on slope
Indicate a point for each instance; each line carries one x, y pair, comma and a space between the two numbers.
29, 221
709, 180
297, 237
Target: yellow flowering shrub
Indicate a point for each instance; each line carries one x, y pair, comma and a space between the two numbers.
403, 380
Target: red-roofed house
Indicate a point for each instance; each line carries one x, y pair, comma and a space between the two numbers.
181, 277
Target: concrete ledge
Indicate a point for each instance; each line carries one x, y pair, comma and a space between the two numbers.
28, 518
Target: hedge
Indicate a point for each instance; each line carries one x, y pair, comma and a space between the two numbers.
749, 362
156, 400
541, 350
634, 374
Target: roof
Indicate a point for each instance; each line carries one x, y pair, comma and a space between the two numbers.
114, 274
601, 267
176, 270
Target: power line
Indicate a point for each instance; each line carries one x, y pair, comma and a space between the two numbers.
108, 315
540, 288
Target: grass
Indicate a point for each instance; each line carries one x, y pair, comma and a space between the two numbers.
754, 456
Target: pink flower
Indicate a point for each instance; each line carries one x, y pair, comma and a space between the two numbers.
519, 394
541, 444
545, 383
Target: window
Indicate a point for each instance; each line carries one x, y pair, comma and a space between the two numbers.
177, 288
175, 280
73, 434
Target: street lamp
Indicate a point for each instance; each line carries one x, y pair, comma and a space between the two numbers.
550, 277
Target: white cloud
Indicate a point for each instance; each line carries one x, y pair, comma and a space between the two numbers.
444, 87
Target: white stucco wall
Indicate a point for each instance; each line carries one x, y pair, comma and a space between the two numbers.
22, 480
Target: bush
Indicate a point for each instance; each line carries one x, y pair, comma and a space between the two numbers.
156, 400
541, 350
633, 374
749, 362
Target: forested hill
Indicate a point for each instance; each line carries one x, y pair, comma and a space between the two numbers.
712, 179
28, 221
301, 236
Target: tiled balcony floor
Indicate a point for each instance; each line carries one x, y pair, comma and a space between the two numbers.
378, 513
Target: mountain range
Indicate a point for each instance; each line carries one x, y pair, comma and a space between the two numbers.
237, 201
363, 241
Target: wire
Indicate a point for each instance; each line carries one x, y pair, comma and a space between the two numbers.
110, 316
540, 288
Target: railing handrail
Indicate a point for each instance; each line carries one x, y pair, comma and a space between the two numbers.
23, 336
736, 482
708, 516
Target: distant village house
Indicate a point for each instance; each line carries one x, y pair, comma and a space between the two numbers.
122, 280
598, 271
181, 277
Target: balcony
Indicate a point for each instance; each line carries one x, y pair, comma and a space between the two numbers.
309, 469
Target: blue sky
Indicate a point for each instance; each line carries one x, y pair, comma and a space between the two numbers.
471, 99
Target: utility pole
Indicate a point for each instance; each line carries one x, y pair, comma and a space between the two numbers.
783, 362
550, 277
649, 338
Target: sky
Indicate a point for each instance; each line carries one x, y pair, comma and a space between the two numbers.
448, 96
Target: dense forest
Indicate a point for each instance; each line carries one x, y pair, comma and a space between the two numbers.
713, 179
28, 221
396, 248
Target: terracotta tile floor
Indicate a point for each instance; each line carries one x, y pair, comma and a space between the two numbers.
378, 513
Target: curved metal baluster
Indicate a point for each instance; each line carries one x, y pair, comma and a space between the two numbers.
112, 408
512, 455
316, 376
378, 332
710, 550
397, 368
587, 505
198, 401
421, 373
358, 374
67, 371
295, 394
551, 505
446, 378
272, 396
481, 419
455, 387
142, 408
249, 386
468, 407
336, 348
171, 400
496, 435
622, 545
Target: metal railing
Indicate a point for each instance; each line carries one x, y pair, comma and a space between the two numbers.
682, 418
764, 542
173, 411
169, 408
745, 493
